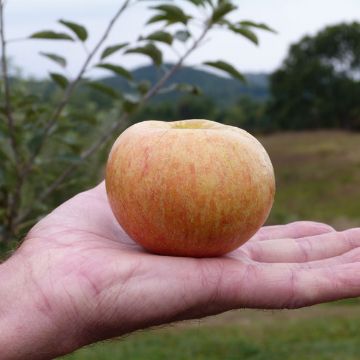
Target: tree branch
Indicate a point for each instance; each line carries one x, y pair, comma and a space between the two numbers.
70, 89
62, 177
12, 198
88, 152
153, 91
7, 97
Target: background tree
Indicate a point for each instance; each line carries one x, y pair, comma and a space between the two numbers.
248, 114
48, 137
318, 84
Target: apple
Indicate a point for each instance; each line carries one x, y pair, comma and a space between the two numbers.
189, 188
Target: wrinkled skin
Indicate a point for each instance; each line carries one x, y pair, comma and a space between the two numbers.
89, 281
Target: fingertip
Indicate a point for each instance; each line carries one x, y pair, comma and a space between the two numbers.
351, 234
312, 227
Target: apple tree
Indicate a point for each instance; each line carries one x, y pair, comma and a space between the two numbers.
53, 143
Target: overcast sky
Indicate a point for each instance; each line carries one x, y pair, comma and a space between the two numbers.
291, 18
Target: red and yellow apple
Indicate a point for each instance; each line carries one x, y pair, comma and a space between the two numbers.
189, 188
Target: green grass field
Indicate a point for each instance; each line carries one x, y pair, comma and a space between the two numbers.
318, 177
321, 332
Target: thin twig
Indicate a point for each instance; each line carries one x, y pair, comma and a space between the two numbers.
7, 97
70, 89
88, 152
12, 197
153, 91
86, 49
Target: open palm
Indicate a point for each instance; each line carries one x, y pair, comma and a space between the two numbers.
88, 272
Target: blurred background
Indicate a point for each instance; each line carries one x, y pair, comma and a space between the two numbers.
75, 74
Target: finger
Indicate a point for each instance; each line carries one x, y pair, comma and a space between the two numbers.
258, 287
326, 284
346, 258
304, 249
294, 230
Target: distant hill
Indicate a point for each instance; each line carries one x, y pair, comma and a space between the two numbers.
224, 91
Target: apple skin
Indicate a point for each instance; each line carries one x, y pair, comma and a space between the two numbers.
189, 188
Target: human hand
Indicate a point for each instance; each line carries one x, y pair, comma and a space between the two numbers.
78, 278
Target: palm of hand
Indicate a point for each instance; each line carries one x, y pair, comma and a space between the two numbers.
87, 270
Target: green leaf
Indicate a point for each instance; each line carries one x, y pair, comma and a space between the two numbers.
2, 111
70, 158
248, 34
183, 87
118, 70
261, 26
198, 2
182, 35
170, 13
149, 50
51, 35
112, 49
222, 10
2, 180
189, 88
56, 58
131, 103
157, 18
68, 138
4, 155
79, 30
9, 177
106, 90
222, 65
36, 140
143, 87
60, 80
161, 36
